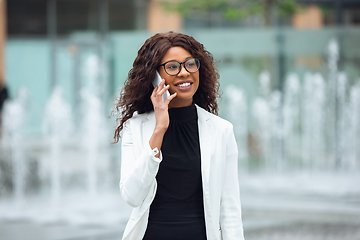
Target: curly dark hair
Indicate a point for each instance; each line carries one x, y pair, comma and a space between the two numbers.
135, 95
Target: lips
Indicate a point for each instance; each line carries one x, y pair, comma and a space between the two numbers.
183, 84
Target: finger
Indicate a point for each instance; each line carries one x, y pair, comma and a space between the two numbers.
153, 94
162, 91
161, 85
172, 96
155, 89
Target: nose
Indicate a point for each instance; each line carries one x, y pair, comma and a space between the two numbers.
183, 71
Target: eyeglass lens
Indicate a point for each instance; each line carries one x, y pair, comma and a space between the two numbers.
174, 67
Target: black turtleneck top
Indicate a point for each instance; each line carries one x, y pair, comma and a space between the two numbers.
177, 211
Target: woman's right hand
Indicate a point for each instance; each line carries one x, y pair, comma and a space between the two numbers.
161, 114
160, 107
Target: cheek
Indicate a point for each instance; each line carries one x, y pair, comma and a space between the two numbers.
168, 80
197, 80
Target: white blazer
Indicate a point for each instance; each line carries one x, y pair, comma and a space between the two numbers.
219, 169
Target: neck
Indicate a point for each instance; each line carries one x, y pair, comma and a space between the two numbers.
177, 104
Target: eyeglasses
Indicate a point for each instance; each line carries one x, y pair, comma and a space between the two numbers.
173, 67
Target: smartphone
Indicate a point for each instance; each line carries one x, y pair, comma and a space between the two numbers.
157, 82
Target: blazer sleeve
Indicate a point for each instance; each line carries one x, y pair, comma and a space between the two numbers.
138, 170
230, 206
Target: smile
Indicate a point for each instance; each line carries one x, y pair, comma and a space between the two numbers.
184, 84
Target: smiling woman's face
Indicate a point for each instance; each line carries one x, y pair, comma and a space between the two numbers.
185, 84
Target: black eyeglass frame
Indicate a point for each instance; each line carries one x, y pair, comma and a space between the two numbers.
183, 63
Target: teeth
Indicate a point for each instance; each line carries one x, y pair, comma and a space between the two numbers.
184, 85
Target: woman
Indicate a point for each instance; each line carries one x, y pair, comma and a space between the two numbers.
179, 160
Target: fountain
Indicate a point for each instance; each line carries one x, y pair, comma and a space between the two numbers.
309, 128
93, 135
312, 121
261, 114
57, 127
237, 100
291, 116
71, 160
94, 131
267, 115
12, 143
353, 113
331, 114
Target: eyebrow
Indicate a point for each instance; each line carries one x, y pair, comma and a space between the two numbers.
177, 60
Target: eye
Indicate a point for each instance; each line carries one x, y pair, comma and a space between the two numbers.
190, 63
171, 65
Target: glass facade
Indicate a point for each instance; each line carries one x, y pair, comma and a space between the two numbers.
29, 17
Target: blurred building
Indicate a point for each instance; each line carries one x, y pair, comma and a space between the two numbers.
313, 14
317, 14
31, 18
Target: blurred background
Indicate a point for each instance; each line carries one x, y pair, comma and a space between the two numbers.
290, 82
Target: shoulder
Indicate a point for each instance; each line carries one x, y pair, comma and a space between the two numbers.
140, 118
214, 119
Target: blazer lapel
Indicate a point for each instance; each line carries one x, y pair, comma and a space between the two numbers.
205, 131
205, 138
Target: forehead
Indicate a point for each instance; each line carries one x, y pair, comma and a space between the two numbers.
176, 53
